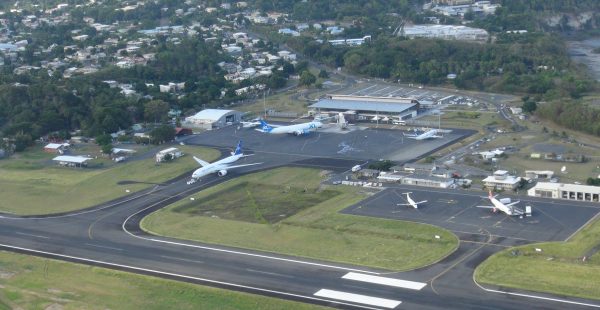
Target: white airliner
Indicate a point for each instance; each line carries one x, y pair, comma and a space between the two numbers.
429, 134
503, 205
411, 202
220, 166
296, 130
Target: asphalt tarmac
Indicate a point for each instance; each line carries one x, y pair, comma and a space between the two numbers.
457, 211
108, 235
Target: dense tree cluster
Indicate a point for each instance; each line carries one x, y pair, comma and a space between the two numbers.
538, 65
572, 114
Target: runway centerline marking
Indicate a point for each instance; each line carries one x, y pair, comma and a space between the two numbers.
103, 247
31, 235
412, 285
270, 273
183, 259
357, 298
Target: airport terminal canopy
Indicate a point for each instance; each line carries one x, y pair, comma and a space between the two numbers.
367, 104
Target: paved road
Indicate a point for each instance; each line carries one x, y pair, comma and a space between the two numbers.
109, 236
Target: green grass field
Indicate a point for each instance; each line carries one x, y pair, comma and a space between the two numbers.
558, 269
28, 282
30, 184
317, 230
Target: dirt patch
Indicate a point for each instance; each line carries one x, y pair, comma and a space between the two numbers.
6, 274
55, 306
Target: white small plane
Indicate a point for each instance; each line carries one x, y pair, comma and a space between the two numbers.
411, 202
429, 134
220, 166
296, 130
503, 205
251, 124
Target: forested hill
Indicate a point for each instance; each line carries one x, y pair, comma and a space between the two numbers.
536, 63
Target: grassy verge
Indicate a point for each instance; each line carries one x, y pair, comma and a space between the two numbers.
558, 269
287, 211
28, 282
32, 185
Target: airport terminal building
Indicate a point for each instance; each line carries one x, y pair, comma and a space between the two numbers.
565, 191
367, 108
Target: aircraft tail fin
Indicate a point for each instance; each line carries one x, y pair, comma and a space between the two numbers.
238, 149
265, 127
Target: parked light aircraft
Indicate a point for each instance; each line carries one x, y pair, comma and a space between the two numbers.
220, 166
251, 124
504, 205
411, 202
296, 130
429, 134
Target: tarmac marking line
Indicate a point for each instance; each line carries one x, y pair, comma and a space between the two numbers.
237, 252
170, 274
103, 247
535, 296
182, 259
270, 273
31, 235
357, 298
412, 285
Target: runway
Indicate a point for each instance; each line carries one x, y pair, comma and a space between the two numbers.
109, 236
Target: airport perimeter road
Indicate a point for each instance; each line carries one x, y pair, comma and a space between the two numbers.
110, 236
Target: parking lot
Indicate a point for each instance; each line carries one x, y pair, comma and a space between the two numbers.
362, 143
551, 220
424, 96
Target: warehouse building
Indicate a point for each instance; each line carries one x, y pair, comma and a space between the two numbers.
71, 161
565, 191
367, 108
213, 118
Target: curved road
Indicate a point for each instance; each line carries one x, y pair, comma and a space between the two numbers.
109, 236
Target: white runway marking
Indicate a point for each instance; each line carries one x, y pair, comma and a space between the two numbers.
361, 299
183, 259
270, 273
385, 281
104, 247
30, 235
169, 274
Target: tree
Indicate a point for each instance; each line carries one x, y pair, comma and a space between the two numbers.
107, 148
323, 74
155, 110
103, 139
307, 78
22, 141
529, 106
162, 134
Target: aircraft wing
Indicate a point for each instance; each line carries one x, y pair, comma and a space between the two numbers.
485, 207
420, 202
239, 166
512, 203
404, 204
200, 161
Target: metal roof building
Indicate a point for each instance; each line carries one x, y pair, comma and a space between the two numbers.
71, 161
367, 105
211, 118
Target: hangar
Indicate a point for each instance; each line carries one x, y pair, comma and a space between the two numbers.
362, 108
213, 118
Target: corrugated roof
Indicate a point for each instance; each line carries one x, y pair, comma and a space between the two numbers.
363, 105
71, 159
210, 114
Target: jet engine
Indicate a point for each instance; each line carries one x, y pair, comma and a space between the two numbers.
298, 133
222, 172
